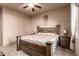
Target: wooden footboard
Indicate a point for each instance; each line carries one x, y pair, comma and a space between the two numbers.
34, 49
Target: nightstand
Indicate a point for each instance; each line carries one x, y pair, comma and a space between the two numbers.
64, 41
33, 33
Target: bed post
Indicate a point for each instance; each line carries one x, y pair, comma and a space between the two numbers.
18, 38
58, 29
38, 29
49, 48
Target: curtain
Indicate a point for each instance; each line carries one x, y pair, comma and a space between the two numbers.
73, 25
77, 21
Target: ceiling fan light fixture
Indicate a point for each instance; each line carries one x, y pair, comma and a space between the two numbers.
31, 5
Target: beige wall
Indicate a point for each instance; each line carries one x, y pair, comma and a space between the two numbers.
77, 37
58, 16
78, 25
14, 23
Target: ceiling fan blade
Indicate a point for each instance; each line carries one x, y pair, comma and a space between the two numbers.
38, 6
25, 6
33, 9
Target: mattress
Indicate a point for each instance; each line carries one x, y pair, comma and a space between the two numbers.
42, 38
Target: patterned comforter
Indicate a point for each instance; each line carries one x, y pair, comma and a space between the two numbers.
42, 38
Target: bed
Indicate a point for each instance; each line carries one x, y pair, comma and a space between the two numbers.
43, 43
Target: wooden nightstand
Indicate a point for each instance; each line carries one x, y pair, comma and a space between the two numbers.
33, 33
64, 41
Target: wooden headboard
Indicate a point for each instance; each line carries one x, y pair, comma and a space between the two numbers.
49, 30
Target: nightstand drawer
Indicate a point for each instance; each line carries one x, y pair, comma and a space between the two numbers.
65, 46
64, 41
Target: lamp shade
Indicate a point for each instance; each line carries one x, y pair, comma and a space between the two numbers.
64, 31
34, 30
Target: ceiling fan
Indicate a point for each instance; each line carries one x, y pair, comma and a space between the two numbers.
31, 5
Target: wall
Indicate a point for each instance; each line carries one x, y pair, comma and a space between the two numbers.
77, 42
78, 27
58, 16
77, 36
78, 23
14, 23
0, 26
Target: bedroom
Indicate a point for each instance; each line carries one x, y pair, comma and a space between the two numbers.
17, 21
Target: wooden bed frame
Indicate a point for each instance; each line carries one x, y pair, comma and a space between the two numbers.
35, 49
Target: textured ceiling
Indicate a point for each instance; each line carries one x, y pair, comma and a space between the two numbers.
45, 7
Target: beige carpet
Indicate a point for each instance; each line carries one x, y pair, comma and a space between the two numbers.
11, 51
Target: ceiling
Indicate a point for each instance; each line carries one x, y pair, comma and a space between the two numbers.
45, 7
